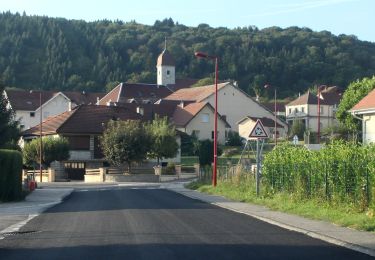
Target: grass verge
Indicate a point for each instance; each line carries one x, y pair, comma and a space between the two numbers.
337, 213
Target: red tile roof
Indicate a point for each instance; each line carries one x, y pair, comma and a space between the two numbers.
196, 94
368, 102
29, 101
166, 59
182, 83
328, 98
139, 92
26, 100
84, 119
267, 122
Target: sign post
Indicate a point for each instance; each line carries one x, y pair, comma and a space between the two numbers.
258, 132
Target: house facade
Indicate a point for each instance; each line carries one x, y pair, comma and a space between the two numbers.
364, 110
30, 105
247, 124
305, 109
233, 103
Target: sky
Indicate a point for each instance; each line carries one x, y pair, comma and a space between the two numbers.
352, 17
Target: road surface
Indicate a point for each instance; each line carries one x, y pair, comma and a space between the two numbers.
153, 223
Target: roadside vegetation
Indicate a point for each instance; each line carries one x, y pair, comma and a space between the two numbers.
335, 184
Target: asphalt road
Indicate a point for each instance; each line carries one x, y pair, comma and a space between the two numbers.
139, 223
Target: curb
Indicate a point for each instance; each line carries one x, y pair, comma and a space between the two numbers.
309, 233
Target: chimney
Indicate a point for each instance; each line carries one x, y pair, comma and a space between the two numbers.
97, 100
182, 104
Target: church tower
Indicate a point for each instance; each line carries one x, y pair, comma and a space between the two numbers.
165, 68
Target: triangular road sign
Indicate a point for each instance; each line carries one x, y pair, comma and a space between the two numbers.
258, 131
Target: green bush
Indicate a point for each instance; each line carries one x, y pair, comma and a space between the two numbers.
54, 149
10, 175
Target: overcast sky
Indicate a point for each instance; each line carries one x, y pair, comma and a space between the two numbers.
354, 17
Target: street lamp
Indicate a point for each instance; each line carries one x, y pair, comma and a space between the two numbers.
319, 112
206, 56
40, 135
275, 112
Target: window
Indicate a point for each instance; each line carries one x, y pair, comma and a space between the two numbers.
303, 110
296, 110
22, 126
290, 110
32, 114
205, 118
321, 110
168, 73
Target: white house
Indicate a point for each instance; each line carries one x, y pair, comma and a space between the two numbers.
233, 103
305, 108
247, 124
27, 108
364, 110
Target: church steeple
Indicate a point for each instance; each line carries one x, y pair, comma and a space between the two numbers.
165, 68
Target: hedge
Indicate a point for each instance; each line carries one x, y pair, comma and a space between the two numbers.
10, 175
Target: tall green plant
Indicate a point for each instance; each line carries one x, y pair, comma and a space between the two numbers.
54, 149
163, 138
125, 142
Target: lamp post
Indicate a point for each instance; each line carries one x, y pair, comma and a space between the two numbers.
40, 136
206, 56
318, 137
275, 112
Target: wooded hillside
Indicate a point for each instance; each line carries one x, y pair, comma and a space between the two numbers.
54, 53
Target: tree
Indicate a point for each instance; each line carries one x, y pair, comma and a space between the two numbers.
125, 142
206, 152
234, 139
54, 149
163, 135
9, 131
354, 93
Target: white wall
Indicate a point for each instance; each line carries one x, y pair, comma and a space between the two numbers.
247, 125
163, 78
205, 129
57, 105
236, 105
368, 127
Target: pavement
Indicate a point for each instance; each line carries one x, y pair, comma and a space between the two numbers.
15, 215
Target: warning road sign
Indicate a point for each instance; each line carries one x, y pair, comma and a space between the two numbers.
258, 131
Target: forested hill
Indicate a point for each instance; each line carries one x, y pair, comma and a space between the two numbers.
54, 53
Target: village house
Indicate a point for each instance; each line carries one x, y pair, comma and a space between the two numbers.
84, 124
28, 105
247, 124
364, 110
233, 103
305, 109
82, 127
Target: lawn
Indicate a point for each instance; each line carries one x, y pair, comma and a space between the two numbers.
340, 214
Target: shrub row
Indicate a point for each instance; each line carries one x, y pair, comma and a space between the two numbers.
10, 175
